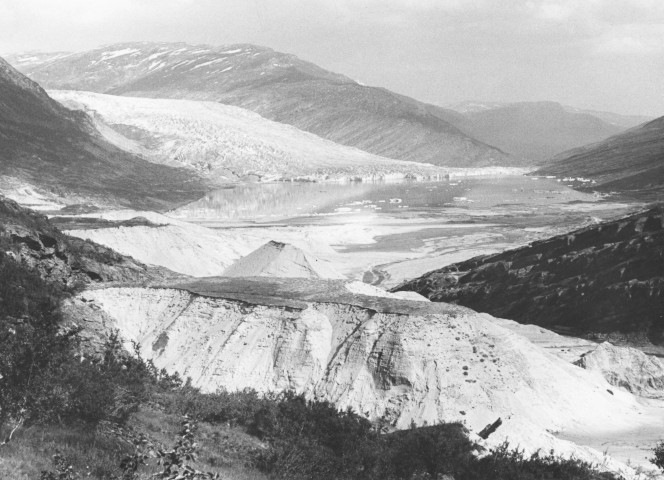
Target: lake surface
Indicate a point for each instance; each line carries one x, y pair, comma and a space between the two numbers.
407, 228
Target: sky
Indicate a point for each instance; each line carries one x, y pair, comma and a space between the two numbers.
596, 54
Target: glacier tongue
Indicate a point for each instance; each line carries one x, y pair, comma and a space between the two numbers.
383, 357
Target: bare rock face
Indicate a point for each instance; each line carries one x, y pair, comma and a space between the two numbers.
277, 259
627, 368
383, 357
603, 281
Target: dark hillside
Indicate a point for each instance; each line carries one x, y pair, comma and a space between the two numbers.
603, 280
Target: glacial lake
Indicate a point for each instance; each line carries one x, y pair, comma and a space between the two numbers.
386, 232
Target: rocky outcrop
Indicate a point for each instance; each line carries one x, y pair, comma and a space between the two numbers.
277, 259
30, 239
384, 357
601, 280
627, 368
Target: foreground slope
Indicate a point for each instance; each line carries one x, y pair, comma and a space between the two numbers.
536, 131
606, 279
46, 145
223, 142
278, 86
384, 357
631, 162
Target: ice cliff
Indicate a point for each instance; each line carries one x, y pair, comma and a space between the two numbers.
384, 357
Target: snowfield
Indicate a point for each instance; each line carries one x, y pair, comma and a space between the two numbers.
229, 143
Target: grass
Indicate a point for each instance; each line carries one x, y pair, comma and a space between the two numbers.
97, 453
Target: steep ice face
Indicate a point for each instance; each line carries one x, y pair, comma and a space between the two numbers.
627, 368
406, 361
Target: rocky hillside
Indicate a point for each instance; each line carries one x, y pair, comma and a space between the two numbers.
536, 131
279, 87
601, 280
382, 356
631, 162
46, 145
30, 239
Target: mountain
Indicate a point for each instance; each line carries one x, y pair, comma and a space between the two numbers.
226, 143
605, 281
534, 131
615, 119
44, 144
632, 162
278, 86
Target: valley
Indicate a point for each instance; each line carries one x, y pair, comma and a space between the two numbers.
321, 271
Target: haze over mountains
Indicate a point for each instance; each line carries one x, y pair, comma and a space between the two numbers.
632, 161
46, 145
283, 88
279, 87
536, 130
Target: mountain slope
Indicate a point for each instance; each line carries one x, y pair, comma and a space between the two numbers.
606, 279
535, 131
632, 161
44, 144
32, 241
279, 87
224, 142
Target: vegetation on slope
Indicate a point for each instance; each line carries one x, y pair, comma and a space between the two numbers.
108, 415
605, 280
631, 162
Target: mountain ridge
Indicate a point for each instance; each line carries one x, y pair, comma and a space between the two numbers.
279, 87
536, 130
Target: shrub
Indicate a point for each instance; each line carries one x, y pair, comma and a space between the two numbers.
658, 459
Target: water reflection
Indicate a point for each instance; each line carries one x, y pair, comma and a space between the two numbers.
285, 200
449, 200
